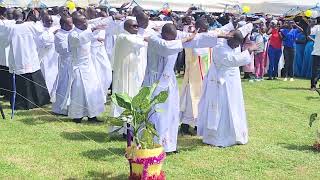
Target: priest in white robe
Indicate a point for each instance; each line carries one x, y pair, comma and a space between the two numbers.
5, 77
24, 62
99, 54
64, 66
85, 97
47, 55
128, 63
162, 55
198, 61
222, 118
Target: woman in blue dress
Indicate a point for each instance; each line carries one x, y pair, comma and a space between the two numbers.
307, 63
300, 48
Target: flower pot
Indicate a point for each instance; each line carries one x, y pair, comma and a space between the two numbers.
146, 163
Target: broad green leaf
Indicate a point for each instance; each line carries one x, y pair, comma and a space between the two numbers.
147, 139
126, 113
313, 118
140, 118
115, 131
145, 106
115, 121
160, 98
121, 99
152, 88
138, 100
159, 110
150, 127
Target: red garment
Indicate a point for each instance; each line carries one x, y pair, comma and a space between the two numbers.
275, 39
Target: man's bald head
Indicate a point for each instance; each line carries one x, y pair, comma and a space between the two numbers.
9, 13
169, 32
202, 25
236, 40
47, 20
142, 20
66, 23
63, 11
131, 26
17, 15
136, 10
80, 21
91, 13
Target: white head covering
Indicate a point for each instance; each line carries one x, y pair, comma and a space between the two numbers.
113, 10
274, 21
246, 29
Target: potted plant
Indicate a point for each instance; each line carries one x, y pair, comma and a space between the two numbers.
145, 157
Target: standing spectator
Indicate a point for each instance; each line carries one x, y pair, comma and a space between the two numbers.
316, 60
300, 47
274, 50
314, 26
259, 54
289, 33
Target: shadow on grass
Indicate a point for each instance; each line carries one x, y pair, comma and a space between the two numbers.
313, 98
42, 119
294, 147
99, 137
294, 88
105, 175
189, 143
33, 112
104, 154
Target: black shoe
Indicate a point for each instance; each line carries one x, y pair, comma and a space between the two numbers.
274, 78
77, 120
185, 129
124, 136
94, 120
172, 153
270, 78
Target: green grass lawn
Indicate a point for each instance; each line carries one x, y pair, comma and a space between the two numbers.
37, 145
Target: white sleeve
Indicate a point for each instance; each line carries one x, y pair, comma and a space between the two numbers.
165, 48
227, 28
76, 39
202, 40
136, 41
46, 39
236, 59
60, 46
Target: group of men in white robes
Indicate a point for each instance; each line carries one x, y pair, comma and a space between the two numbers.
75, 63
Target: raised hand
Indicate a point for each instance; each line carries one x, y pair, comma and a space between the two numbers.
252, 47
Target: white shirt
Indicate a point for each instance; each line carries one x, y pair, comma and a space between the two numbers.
23, 55
316, 47
315, 29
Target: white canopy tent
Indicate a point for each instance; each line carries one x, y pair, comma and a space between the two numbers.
266, 6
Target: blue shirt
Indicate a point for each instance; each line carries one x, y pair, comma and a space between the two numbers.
289, 37
214, 25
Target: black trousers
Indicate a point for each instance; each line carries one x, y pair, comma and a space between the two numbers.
315, 71
289, 54
180, 63
5, 81
31, 91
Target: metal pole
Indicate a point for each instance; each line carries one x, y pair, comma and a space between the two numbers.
13, 100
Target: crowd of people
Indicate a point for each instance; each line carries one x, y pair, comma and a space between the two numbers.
74, 60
